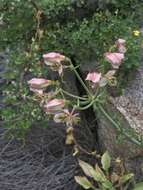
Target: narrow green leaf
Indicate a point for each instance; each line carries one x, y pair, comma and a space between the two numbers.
106, 161
126, 178
83, 181
138, 186
107, 184
99, 174
87, 168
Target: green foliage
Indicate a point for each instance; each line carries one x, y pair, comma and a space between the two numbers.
104, 179
106, 161
80, 39
83, 181
132, 8
18, 21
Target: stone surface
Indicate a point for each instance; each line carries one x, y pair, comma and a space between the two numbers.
128, 108
128, 111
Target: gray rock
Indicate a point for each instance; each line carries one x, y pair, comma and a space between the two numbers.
128, 110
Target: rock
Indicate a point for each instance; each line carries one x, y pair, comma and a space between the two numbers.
128, 110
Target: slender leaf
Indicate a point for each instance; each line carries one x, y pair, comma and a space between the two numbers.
98, 175
138, 186
126, 178
83, 181
107, 184
87, 168
106, 161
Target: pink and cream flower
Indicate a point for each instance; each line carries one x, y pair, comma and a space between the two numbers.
114, 58
54, 106
54, 57
54, 61
93, 77
37, 85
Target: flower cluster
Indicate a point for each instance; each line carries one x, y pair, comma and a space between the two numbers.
54, 102
115, 58
57, 107
54, 61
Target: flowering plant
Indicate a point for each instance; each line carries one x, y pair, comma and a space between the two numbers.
56, 104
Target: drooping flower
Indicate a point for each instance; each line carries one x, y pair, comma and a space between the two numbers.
54, 57
114, 58
93, 77
54, 106
54, 61
39, 83
120, 44
69, 118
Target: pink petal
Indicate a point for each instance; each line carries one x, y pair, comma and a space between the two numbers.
51, 55
39, 83
55, 103
114, 58
54, 57
93, 77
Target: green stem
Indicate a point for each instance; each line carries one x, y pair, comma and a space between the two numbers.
108, 117
79, 78
86, 107
117, 126
72, 95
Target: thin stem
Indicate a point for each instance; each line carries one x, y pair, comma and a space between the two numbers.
81, 148
88, 106
61, 92
72, 95
79, 78
133, 140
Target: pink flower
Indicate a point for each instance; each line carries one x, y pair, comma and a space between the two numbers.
114, 58
67, 117
54, 106
53, 60
120, 44
93, 77
39, 83
54, 57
